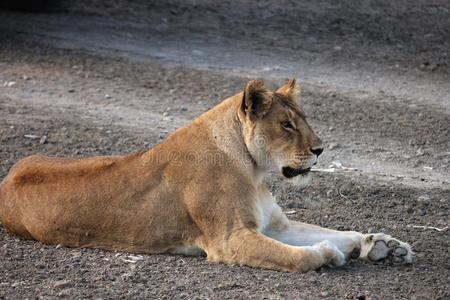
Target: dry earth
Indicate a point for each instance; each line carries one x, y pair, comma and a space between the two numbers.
90, 78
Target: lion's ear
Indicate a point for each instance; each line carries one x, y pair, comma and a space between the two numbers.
257, 99
290, 89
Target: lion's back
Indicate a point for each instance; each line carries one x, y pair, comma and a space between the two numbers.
38, 169
38, 177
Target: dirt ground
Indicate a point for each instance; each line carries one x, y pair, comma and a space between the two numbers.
86, 78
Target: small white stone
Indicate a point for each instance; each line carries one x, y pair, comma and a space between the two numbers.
61, 284
31, 136
332, 146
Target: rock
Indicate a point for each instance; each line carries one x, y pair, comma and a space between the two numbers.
71, 90
424, 198
339, 227
372, 230
63, 294
420, 152
107, 96
62, 284
324, 294
332, 146
43, 140
31, 136
416, 245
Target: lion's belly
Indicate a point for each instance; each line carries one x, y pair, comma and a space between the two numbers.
188, 250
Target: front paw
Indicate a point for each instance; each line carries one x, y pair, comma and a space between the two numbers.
383, 247
330, 253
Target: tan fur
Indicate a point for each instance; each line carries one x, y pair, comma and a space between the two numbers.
198, 191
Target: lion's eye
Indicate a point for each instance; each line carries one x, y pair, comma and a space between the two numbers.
287, 125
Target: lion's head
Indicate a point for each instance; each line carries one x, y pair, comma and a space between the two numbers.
276, 132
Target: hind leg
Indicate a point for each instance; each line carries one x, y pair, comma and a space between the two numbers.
18, 230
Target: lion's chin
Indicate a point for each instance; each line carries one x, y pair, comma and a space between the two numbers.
302, 180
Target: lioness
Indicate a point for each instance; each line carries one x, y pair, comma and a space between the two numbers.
198, 192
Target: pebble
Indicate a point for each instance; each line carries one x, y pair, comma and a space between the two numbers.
416, 245
420, 152
324, 294
424, 198
62, 284
372, 230
332, 146
63, 294
339, 227
43, 140
31, 136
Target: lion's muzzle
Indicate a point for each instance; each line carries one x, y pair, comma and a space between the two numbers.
290, 172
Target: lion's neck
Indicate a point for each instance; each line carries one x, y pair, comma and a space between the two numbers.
216, 134
226, 133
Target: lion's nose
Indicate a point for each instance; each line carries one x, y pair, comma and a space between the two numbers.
317, 151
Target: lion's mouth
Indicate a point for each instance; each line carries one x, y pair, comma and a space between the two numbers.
289, 172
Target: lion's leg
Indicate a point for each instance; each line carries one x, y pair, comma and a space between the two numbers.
369, 247
248, 247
